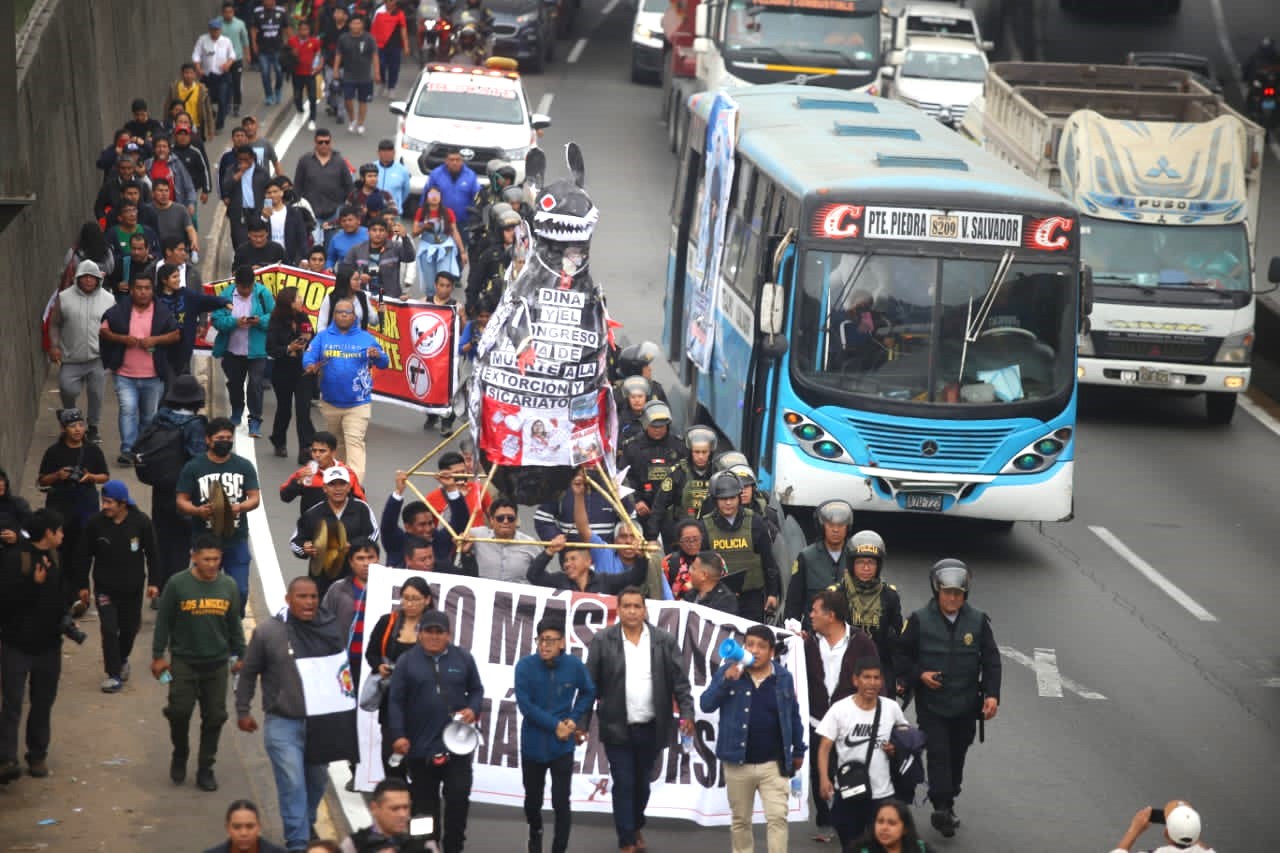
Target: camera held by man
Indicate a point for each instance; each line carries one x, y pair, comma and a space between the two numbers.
1181, 828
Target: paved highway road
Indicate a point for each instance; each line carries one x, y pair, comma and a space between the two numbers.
1150, 698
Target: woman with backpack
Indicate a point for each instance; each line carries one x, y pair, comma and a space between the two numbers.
288, 334
893, 830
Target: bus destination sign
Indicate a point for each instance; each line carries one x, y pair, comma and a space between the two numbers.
855, 221
845, 7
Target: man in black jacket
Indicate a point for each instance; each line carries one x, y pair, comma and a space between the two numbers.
353, 514
638, 673
578, 574
707, 586
33, 603
244, 190
119, 553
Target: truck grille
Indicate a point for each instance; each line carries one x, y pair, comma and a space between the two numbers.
1186, 349
932, 110
958, 450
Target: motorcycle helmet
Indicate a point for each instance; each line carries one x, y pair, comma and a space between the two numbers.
950, 573
633, 385
1183, 825
729, 458
507, 173
866, 543
469, 34
491, 168
699, 436
725, 485
745, 475
656, 413
835, 512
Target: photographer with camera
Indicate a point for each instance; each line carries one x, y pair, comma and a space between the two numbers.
71, 470
1181, 828
378, 259
33, 620
390, 810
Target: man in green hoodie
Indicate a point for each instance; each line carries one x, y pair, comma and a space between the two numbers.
199, 624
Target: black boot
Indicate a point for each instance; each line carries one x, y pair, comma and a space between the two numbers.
535, 842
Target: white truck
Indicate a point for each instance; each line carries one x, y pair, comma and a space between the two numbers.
1166, 177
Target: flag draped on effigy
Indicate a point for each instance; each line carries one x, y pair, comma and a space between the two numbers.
540, 398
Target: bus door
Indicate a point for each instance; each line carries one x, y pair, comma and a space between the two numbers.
684, 199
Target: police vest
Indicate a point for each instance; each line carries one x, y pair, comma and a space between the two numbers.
736, 548
817, 572
957, 654
695, 490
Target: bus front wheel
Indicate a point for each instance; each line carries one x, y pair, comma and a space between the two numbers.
1221, 407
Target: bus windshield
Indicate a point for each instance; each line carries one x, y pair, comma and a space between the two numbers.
777, 33
1157, 258
912, 328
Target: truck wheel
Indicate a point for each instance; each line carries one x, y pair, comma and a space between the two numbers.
1220, 407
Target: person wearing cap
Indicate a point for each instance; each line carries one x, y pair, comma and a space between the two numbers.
1181, 829
142, 127
118, 552
378, 259
196, 102
188, 148
683, 491
393, 176
71, 470
707, 586
213, 56
948, 652
355, 516
821, 563
554, 691
306, 485
241, 343
74, 321
433, 684
179, 413
650, 456
135, 347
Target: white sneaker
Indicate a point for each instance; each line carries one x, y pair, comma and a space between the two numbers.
360, 130
311, 125
351, 128
111, 685
125, 671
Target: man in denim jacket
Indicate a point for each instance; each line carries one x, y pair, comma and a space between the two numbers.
761, 740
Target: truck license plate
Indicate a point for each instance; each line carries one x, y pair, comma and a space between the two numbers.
1149, 376
928, 503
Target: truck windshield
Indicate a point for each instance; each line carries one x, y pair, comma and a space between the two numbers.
796, 32
894, 327
1131, 255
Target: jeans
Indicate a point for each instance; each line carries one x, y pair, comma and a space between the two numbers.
630, 764
742, 782
235, 562
535, 779
425, 780
293, 398
83, 375
139, 399
218, 87
119, 617
350, 426
237, 368
305, 84
948, 741
42, 670
389, 59
299, 786
272, 75
207, 685
173, 536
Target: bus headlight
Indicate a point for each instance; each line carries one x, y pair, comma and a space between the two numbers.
1040, 454
814, 440
1236, 348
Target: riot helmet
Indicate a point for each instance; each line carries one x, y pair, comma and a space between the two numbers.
745, 475
699, 436
507, 218
729, 458
635, 358
634, 385
491, 168
725, 485
950, 573
835, 512
656, 413
513, 195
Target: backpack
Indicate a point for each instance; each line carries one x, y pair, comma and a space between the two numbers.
159, 455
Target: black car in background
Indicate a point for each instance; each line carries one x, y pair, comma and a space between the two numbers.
523, 30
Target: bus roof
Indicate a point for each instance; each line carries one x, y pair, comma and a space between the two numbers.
826, 144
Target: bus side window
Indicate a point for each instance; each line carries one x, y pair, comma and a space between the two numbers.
736, 224
752, 263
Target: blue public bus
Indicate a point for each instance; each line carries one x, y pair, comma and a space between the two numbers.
898, 311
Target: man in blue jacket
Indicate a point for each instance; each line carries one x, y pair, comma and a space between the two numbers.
761, 741
554, 693
342, 354
457, 183
242, 343
433, 682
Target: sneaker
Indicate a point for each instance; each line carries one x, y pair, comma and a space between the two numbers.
943, 820
535, 842
311, 125
351, 128
110, 684
205, 780
360, 130
282, 451
38, 768
124, 459
125, 670
93, 435
178, 768
429, 422
9, 771
446, 425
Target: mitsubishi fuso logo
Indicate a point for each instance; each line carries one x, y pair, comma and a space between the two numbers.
1162, 167
929, 447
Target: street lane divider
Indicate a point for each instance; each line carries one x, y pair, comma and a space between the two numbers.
1150, 573
1049, 682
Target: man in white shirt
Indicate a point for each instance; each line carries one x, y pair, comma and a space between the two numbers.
213, 57
1181, 828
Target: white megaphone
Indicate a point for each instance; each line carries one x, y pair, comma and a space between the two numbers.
731, 651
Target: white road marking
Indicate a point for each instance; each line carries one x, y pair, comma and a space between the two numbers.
1033, 664
1150, 573
1224, 41
1259, 414
1048, 679
1271, 682
260, 540
576, 52
609, 7
544, 103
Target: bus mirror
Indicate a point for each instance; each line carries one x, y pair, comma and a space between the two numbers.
1086, 295
772, 308
1273, 271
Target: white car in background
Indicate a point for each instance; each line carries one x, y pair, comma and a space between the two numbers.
938, 62
483, 112
648, 42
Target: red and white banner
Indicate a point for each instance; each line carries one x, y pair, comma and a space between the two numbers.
420, 339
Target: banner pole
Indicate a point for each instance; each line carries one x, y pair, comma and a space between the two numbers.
439, 518
647, 547
611, 496
471, 519
444, 442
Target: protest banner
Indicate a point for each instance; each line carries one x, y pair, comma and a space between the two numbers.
713, 210
419, 339
497, 623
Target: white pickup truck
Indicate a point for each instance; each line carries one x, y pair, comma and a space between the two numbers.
1166, 177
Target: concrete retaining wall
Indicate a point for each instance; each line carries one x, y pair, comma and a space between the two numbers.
80, 63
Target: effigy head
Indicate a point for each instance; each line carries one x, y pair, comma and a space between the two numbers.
563, 212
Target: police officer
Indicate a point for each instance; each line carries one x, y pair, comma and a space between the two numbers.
753, 498
874, 605
649, 457
739, 536
952, 655
637, 360
488, 274
683, 492
631, 395
821, 564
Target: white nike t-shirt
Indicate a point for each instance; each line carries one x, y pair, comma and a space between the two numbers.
849, 727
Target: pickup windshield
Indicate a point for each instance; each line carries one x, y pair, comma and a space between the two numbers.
944, 65
1186, 259
797, 33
